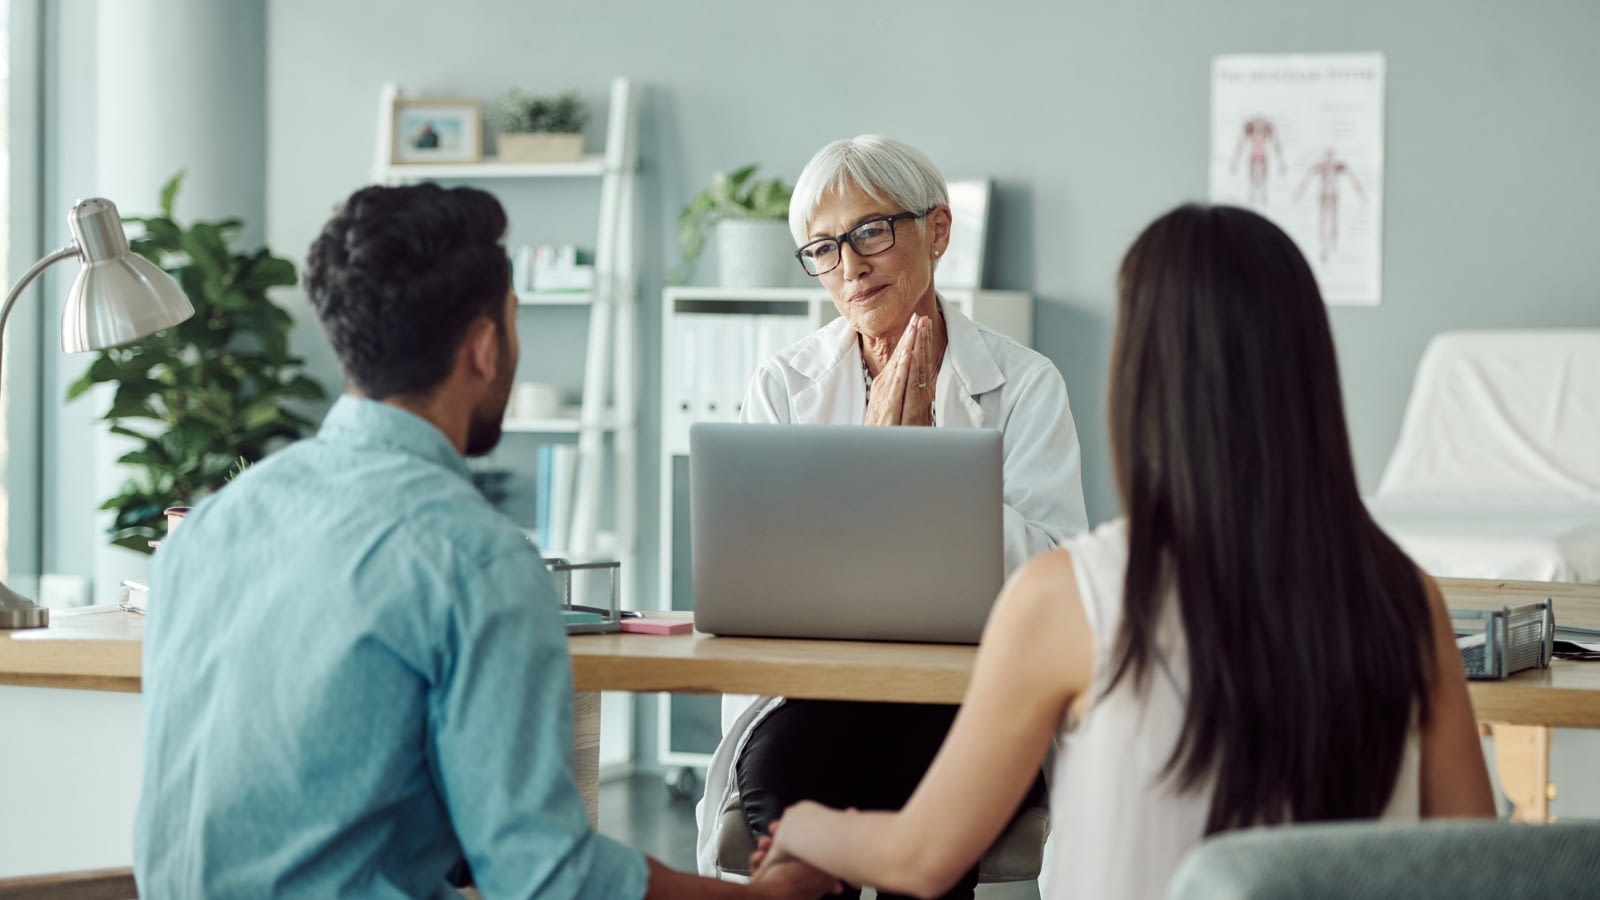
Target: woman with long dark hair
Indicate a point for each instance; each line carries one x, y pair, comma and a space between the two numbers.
1244, 648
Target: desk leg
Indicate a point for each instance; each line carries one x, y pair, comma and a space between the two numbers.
586, 750
1522, 760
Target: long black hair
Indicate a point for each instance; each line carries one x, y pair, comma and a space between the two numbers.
1308, 630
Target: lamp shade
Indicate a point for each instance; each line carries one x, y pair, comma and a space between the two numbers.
118, 296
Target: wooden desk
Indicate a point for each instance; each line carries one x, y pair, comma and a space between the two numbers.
99, 649
816, 670
1567, 695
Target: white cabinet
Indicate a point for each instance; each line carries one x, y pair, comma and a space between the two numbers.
604, 423
712, 341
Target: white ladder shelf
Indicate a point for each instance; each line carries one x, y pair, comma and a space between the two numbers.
609, 404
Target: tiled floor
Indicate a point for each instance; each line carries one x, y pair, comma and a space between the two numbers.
639, 812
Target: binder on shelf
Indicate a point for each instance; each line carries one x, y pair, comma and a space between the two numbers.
708, 367
541, 497
775, 333
738, 355
557, 475
687, 342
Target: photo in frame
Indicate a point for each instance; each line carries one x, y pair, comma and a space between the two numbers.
962, 265
437, 131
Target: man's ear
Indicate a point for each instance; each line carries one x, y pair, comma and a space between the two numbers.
480, 351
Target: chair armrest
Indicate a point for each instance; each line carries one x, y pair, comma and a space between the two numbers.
91, 884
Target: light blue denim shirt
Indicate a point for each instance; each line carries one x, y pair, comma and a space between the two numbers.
355, 673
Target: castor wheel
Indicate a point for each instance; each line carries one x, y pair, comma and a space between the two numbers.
682, 783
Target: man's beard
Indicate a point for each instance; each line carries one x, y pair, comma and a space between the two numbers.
483, 434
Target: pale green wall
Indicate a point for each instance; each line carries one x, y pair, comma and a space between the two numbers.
1091, 117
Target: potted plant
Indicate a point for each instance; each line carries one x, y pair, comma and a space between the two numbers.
211, 395
539, 128
750, 215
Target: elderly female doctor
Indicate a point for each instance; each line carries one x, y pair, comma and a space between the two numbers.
871, 217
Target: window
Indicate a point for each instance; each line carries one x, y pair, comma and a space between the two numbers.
5, 274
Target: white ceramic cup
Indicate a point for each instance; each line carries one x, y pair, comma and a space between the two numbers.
535, 400
175, 516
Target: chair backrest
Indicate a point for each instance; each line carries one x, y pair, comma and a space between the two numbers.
1460, 860
1502, 412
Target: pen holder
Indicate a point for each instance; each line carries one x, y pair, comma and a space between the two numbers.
610, 616
1498, 643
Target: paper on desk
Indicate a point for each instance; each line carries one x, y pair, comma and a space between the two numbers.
134, 596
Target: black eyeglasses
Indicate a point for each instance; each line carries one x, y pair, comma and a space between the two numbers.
870, 238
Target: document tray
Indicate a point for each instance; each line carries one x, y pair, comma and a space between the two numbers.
1498, 643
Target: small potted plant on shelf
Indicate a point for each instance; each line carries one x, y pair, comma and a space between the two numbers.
539, 128
750, 215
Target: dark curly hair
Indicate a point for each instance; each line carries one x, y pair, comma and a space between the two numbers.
397, 276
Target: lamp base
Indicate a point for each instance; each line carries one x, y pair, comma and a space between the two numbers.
17, 611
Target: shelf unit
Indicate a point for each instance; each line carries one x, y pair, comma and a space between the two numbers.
685, 358
605, 422
555, 298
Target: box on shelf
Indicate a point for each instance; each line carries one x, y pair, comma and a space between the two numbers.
545, 268
529, 147
558, 269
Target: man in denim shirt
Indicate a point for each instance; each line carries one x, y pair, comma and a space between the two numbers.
355, 672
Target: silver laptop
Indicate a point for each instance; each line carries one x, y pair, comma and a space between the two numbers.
839, 531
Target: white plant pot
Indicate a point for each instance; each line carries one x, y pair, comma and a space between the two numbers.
755, 253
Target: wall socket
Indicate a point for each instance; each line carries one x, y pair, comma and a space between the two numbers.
59, 591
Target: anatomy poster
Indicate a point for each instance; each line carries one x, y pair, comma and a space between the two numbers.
1299, 139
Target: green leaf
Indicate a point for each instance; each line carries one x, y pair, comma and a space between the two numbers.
304, 387
155, 456
132, 402
205, 245
137, 539
169, 192
269, 272
129, 432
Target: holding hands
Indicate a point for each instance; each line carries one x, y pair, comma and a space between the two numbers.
791, 879
786, 875
773, 858
902, 393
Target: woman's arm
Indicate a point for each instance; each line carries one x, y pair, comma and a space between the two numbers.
1035, 657
1455, 781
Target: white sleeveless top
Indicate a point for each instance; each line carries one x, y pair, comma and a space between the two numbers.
1118, 829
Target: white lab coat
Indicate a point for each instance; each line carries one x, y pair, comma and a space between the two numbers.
987, 380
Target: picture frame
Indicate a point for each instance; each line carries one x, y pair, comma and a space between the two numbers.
427, 131
962, 265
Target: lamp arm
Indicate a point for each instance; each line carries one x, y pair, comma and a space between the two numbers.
68, 252
17, 611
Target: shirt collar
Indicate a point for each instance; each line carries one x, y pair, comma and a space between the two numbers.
360, 422
967, 354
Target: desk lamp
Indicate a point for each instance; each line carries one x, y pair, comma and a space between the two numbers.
118, 296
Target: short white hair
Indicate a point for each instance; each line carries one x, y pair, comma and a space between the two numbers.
881, 167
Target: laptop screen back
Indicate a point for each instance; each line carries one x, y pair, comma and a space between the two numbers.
838, 531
